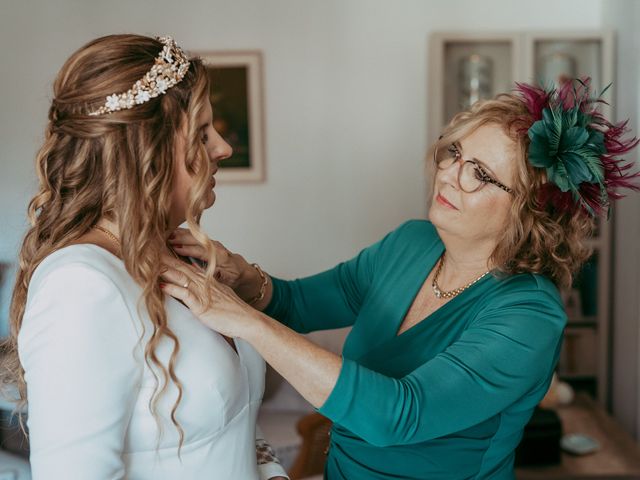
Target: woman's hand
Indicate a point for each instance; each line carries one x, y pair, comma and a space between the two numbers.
311, 370
215, 304
231, 268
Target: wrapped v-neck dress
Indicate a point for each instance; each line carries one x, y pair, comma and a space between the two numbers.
449, 397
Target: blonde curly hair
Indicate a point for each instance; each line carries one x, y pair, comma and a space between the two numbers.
537, 237
118, 166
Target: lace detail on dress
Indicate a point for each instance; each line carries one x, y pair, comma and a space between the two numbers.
265, 453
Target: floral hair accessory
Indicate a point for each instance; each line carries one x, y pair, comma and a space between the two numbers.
169, 69
578, 147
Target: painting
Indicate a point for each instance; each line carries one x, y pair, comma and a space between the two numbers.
235, 92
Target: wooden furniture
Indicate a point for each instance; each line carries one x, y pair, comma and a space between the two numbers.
314, 429
618, 457
467, 66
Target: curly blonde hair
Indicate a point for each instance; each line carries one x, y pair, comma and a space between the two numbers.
538, 238
118, 166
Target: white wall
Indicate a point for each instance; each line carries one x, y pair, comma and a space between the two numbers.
346, 106
624, 15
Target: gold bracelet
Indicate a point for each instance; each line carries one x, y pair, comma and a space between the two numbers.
263, 287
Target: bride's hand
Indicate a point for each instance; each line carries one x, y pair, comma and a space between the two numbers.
215, 304
231, 268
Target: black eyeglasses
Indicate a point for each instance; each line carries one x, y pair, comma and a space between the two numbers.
471, 175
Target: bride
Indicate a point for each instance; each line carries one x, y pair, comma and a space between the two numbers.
122, 382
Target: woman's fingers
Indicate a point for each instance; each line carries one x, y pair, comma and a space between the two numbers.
181, 272
176, 277
195, 251
214, 303
184, 243
183, 282
182, 236
185, 295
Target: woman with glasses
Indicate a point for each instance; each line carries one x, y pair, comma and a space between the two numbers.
457, 321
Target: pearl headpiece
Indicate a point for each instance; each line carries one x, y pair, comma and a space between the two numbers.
169, 69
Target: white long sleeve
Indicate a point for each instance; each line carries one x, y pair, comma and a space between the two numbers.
78, 345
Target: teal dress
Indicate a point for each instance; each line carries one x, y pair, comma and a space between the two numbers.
449, 397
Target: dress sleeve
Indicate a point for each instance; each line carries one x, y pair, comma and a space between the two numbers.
506, 353
77, 345
331, 299
268, 464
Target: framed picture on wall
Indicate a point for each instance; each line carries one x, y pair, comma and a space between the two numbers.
235, 92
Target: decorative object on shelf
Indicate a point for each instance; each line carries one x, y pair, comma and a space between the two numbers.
559, 68
235, 92
560, 393
559, 59
579, 444
475, 79
467, 68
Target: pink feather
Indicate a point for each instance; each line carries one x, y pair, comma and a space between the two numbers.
617, 174
534, 98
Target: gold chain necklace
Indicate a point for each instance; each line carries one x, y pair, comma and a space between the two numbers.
451, 293
108, 234
117, 241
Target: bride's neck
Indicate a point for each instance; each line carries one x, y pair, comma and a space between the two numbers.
109, 225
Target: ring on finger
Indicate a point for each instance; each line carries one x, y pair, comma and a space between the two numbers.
186, 284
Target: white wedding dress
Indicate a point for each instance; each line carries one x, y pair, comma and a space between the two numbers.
82, 347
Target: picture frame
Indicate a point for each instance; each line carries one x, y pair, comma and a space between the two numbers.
236, 95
